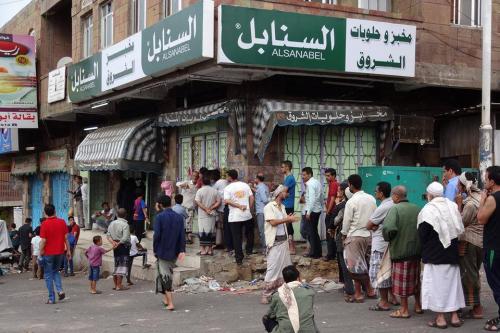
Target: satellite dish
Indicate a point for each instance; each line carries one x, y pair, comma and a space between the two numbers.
64, 61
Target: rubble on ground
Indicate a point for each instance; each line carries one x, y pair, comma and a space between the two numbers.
206, 284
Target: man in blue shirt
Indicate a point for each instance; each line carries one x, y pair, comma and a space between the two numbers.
451, 172
261, 199
289, 203
169, 244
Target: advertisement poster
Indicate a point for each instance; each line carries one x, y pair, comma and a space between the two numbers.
18, 85
9, 140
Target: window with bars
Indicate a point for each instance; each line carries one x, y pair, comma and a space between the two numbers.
139, 9
171, 7
382, 5
203, 150
343, 148
467, 12
88, 27
106, 25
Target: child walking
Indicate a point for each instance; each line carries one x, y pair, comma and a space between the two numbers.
35, 250
136, 250
94, 254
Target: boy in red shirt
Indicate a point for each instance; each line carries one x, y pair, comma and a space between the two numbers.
53, 246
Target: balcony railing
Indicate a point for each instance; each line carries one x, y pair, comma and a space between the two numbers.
9, 196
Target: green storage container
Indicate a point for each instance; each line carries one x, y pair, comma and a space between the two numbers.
415, 179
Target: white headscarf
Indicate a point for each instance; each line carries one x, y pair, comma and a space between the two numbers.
277, 191
287, 296
443, 215
5, 242
469, 185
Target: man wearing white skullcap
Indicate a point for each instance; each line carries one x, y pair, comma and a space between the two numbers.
439, 225
435, 189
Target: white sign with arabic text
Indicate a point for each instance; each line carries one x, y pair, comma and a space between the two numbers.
121, 63
21, 118
374, 47
57, 85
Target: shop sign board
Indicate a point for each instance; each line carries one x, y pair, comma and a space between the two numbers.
270, 38
374, 47
24, 165
84, 79
54, 160
18, 83
177, 41
121, 63
57, 85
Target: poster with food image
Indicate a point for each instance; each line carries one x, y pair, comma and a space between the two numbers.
18, 85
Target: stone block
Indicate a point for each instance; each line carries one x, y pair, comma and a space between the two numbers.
245, 273
227, 276
214, 267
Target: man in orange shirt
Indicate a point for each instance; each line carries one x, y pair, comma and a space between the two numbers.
53, 246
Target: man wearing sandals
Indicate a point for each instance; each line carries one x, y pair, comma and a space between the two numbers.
379, 245
357, 238
119, 237
400, 230
439, 226
169, 245
489, 216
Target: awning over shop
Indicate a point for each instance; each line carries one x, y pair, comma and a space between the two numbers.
54, 161
194, 115
271, 113
233, 109
24, 165
127, 146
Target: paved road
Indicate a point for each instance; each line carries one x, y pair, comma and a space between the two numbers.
139, 310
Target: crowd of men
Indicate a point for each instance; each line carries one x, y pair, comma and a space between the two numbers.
388, 252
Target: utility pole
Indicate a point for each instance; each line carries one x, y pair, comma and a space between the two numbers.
486, 131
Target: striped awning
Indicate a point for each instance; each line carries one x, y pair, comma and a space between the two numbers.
194, 115
270, 113
127, 146
233, 109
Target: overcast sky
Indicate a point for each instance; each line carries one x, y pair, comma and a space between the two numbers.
9, 8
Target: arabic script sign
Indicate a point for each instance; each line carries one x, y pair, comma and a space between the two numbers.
193, 115
177, 41
380, 48
57, 85
249, 36
18, 99
330, 117
54, 160
84, 79
181, 39
121, 63
24, 165
279, 39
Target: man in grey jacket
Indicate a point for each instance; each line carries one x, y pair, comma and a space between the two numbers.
119, 237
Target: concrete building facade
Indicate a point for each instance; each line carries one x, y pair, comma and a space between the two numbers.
441, 101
